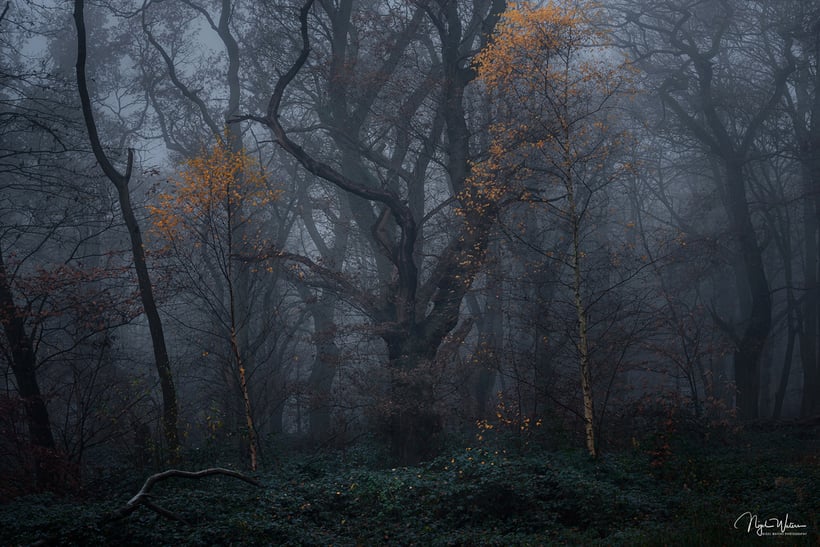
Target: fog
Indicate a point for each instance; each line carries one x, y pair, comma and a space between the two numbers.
241, 231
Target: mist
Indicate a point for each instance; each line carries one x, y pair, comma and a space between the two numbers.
358, 242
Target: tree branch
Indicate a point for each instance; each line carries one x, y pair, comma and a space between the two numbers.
108, 168
5, 11
180, 85
142, 497
402, 214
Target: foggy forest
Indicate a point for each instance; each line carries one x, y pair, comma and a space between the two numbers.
409, 272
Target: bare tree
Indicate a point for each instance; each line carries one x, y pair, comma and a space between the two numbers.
685, 48
121, 180
412, 314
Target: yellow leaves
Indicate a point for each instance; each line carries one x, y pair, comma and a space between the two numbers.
530, 41
522, 68
548, 73
211, 196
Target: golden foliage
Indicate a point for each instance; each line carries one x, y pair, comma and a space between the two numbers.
547, 72
529, 44
212, 198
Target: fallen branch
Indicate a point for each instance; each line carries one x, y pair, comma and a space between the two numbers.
142, 498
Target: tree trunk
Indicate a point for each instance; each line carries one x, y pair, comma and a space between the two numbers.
810, 332
253, 444
120, 181
236, 283
170, 411
748, 353
24, 368
793, 321
411, 419
323, 370
590, 434
488, 346
780, 394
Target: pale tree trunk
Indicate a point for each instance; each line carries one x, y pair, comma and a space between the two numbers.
590, 434
234, 335
792, 325
246, 399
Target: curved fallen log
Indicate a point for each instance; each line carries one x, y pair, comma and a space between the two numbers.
142, 498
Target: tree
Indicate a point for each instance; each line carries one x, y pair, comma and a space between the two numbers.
43, 233
63, 294
198, 63
553, 82
691, 52
121, 180
24, 366
801, 24
413, 314
207, 220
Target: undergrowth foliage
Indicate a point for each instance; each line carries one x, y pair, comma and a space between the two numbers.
473, 496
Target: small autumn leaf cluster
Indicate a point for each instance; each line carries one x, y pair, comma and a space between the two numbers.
90, 297
214, 192
508, 420
528, 41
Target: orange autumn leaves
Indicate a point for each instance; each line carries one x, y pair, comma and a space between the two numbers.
213, 199
547, 73
527, 43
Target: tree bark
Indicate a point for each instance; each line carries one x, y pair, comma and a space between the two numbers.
590, 433
120, 181
24, 368
323, 371
748, 353
780, 394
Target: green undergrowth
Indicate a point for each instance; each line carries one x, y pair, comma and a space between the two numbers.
477, 496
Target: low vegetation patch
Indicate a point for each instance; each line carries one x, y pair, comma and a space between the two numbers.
698, 495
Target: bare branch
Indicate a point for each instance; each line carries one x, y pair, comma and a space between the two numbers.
187, 92
142, 497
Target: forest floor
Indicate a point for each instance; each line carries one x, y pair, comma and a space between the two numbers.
761, 487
